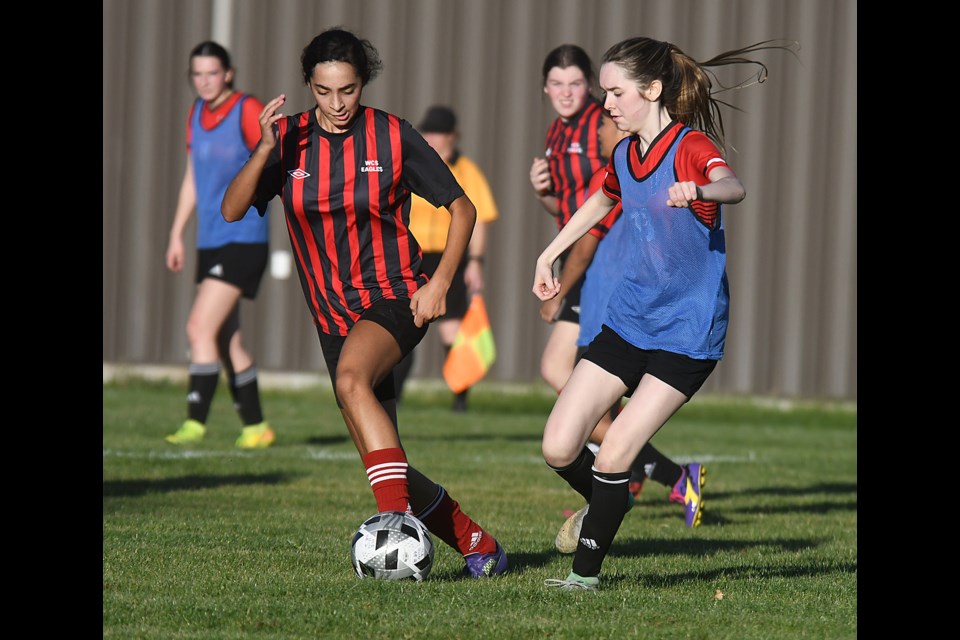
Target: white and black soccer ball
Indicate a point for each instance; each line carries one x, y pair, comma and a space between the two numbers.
392, 545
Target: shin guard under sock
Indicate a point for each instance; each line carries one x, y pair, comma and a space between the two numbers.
603, 519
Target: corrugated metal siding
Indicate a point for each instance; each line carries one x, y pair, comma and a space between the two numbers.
792, 243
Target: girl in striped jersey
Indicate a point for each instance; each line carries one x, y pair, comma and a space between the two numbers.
345, 173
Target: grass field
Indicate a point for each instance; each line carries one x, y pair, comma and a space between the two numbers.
211, 542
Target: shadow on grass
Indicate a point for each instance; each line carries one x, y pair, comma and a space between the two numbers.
829, 488
128, 488
814, 568
523, 561
322, 441
705, 546
816, 507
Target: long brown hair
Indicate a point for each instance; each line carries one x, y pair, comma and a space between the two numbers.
688, 93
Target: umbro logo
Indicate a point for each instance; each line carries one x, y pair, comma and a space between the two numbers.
298, 174
589, 543
216, 270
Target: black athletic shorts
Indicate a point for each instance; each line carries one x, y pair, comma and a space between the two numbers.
570, 309
617, 356
457, 293
394, 316
241, 265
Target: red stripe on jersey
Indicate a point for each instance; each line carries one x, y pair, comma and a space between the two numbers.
329, 233
396, 205
308, 263
593, 143
577, 178
352, 231
374, 205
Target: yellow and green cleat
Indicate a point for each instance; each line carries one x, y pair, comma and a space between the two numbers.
257, 436
190, 431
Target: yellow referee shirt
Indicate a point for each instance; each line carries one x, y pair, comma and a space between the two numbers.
429, 224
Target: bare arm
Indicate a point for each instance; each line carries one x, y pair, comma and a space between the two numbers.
724, 187
473, 274
545, 286
186, 203
243, 188
573, 269
429, 302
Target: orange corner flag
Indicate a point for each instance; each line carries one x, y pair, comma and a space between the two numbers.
473, 351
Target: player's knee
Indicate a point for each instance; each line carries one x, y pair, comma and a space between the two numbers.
558, 454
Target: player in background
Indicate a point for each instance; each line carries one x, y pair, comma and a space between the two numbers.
347, 204
222, 129
429, 225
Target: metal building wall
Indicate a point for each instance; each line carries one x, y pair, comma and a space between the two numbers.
792, 245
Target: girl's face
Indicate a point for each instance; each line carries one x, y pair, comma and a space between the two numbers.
336, 86
628, 107
567, 89
209, 77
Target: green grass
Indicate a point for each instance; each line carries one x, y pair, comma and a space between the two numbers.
211, 542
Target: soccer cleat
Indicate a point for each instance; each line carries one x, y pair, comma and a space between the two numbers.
688, 490
189, 431
636, 484
569, 534
573, 581
257, 436
486, 565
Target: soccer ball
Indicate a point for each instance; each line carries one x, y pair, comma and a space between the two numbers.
392, 545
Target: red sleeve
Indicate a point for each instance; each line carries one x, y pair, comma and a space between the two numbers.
250, 121
696, 157
611, 183
602, 228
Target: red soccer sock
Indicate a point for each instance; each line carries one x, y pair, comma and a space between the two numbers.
387, 472
445, 520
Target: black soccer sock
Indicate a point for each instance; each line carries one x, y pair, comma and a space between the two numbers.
203, 384
247, 398
579, 474
600, 525
658, 466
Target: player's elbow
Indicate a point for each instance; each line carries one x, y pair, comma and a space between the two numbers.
738, 195
230, 213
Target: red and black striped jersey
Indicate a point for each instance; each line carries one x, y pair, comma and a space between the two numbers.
346, 198
573, 152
